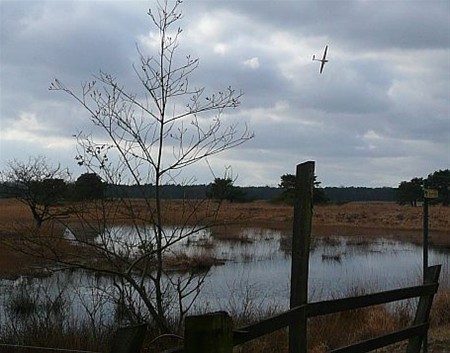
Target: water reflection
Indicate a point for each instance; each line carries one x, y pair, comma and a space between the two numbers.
338, 266
257, 272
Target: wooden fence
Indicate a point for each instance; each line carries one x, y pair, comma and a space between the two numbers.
214, 332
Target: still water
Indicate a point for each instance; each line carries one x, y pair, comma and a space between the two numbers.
256, 272
339, 267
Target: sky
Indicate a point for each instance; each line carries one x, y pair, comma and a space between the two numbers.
377, 115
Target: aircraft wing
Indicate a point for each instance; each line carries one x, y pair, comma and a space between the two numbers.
325, 53
322, 65
324, 59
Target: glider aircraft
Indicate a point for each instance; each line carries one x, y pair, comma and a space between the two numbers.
323, 60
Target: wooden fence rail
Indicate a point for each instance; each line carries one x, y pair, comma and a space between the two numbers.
213, 333
250, 332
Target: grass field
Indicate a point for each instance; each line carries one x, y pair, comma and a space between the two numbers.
379, 215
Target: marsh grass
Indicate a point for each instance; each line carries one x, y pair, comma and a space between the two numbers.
371, 215
22, 305
75, 336
40, 317
229, 233
324, 332
440, 312
193, 263
337, 330
331, 331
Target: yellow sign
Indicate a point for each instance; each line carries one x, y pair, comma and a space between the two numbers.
430, 193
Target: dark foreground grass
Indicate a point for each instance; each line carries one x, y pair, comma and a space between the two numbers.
337, 330
324, 333
333, 331
73, 336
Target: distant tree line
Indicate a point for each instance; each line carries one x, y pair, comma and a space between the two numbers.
74, 192
89, 186
349, 194
411, 192
41, 186
218, 190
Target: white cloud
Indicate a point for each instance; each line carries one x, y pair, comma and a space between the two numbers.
30, 129
252, 63
221, 48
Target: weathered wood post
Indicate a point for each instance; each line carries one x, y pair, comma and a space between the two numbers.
129, 339
427, 194
210, 333
301, 238
425, 254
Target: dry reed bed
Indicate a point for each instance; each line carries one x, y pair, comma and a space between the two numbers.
381, 215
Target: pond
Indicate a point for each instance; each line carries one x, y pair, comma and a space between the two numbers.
256, 272
339, 267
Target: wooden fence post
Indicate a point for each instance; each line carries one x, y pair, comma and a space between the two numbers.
210, 333
129, 339
431, 275
301, 238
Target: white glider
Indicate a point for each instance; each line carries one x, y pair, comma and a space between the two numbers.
323, 60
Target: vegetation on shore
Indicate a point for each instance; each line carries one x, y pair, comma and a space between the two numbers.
39, 320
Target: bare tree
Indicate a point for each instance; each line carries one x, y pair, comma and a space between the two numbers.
151, 137
37, 184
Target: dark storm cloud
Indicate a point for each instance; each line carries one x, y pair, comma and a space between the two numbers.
381, 102
366, 24
67, 40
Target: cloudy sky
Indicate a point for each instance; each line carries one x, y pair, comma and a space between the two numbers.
377, 115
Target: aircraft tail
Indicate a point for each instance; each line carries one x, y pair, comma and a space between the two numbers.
314, 57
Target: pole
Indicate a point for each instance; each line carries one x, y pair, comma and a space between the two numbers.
301, 237
425, 236
207, 333
425, 254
